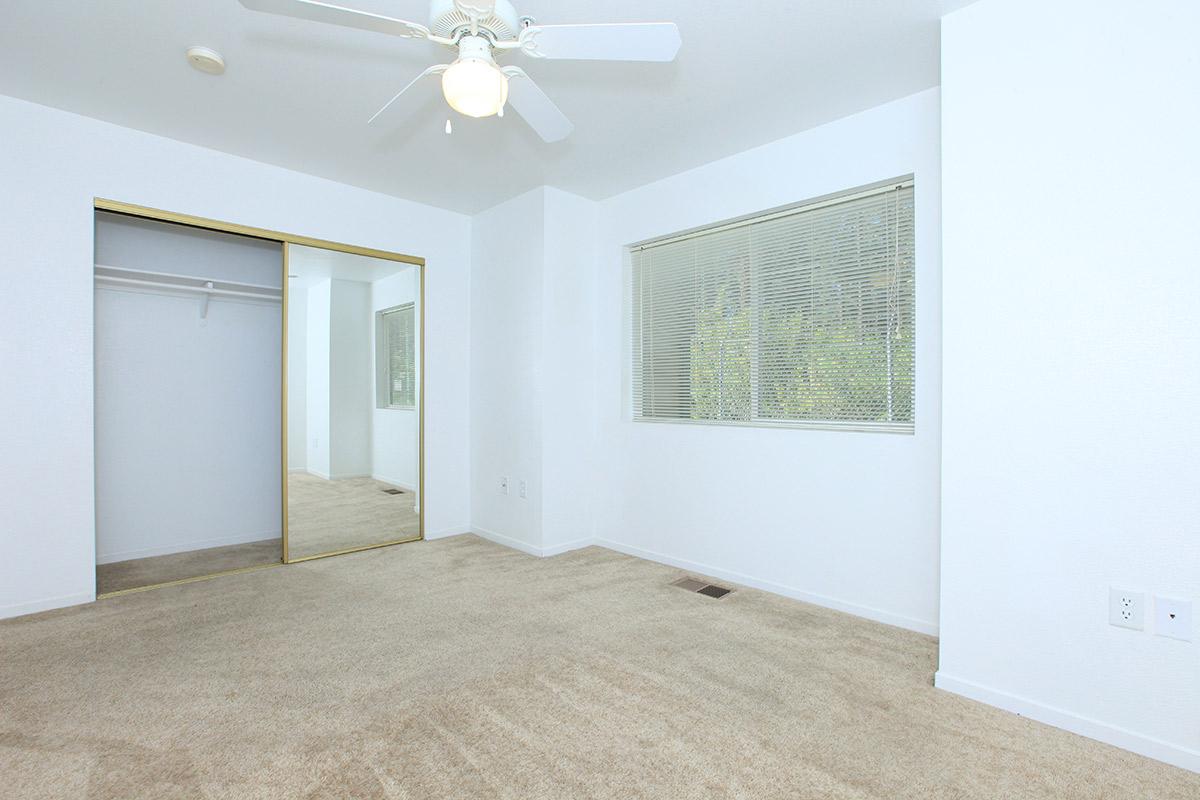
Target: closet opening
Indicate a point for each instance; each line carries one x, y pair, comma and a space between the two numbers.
188, 343
258, 398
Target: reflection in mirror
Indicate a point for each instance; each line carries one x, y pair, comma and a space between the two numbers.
353, 402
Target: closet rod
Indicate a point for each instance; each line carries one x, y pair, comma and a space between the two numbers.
186, 288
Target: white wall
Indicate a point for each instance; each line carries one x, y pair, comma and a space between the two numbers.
506, 369
317, 427
297, 379
61, 162
187, 423
1071, 352
153, 246
568, 389
351, 370
532, 413
395, 435
848, 520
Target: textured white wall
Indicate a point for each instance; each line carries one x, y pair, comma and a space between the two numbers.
533, 301
1071, 349
297, 378
351, 396
187, 423
568, 385
62, 161
506, 369
318, 426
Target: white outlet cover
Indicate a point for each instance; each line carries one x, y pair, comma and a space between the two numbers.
1126, 609
1173, 618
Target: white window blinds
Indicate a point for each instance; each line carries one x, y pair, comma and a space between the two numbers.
802, 317
400, 361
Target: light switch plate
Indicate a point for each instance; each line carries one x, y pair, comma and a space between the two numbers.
1126, 609
1173, 618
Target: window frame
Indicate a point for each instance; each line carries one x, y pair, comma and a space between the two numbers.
755, 421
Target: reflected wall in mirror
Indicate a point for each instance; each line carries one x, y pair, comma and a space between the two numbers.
353, 402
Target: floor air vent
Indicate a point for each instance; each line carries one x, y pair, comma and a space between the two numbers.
700, 587
393, 491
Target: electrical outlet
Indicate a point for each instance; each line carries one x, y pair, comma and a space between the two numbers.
504, 485
524, 490
1126, 609
1173, 618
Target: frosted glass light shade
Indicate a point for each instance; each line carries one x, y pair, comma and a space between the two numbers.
475, 87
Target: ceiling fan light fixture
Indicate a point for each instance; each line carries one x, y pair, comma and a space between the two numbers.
475, 87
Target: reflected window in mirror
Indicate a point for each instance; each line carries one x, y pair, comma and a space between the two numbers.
396, 345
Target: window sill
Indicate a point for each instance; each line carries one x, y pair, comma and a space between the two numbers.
906, 429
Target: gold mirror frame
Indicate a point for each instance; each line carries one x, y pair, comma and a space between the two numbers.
286, 240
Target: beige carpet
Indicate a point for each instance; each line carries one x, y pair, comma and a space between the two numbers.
326, 516
121, 575
461, 669
323, 517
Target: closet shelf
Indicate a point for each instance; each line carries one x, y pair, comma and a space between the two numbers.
204, 287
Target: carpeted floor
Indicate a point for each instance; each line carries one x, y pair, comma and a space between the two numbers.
121, 575
326, 516
323, 517
462, 669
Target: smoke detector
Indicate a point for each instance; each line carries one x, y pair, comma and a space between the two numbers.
206, 60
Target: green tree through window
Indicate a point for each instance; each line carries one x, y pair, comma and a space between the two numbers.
803, 317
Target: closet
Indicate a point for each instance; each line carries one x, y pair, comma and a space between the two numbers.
187, 402
258, 398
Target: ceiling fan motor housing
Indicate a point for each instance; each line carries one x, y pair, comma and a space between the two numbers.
447, 21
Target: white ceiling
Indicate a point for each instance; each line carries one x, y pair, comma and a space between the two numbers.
298, 94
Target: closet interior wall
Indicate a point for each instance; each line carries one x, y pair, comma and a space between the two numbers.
187, 399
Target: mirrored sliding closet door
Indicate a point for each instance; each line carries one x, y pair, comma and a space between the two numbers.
353, 399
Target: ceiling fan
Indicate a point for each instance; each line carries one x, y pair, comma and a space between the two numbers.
474, 84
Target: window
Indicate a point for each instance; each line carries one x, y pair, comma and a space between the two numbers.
396, 366
802, 317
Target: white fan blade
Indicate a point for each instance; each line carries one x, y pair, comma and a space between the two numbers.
635, 41
437, 69
337, 15
538, 110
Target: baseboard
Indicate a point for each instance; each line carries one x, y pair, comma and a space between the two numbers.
340, 476
531, 549
1123, 738
392, 482
48, 604
507, 541
566, 547
875, 614
445, 533
184, 547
